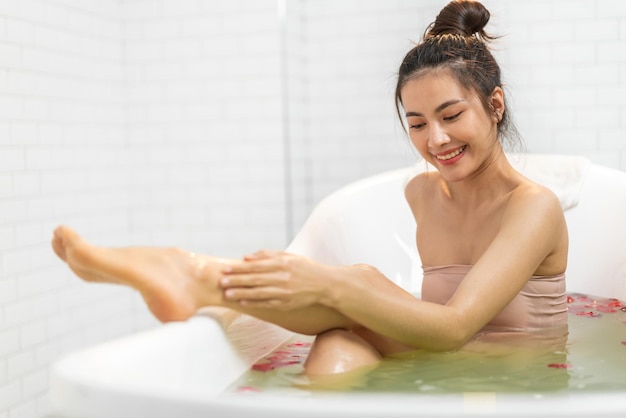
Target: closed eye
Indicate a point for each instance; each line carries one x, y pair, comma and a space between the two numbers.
453, 117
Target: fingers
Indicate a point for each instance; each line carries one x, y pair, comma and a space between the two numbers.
263, 254
58, 242
57, 246
263, 294
260, 298
263, 281
257, 266
256, 280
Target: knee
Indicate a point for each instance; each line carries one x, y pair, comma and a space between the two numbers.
340, 351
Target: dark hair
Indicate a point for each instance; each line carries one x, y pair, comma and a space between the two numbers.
457, 42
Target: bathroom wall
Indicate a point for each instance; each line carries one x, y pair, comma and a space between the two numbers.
152, 122
563, 63
217, 125
62, 159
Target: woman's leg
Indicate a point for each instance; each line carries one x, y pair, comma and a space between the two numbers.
175, 283
340, 351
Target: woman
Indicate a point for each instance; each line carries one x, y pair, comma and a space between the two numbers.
493, 244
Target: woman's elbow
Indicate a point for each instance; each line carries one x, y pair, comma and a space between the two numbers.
449, 343
454, 337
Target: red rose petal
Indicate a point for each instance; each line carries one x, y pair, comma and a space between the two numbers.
560, 365
248, 389
263, 367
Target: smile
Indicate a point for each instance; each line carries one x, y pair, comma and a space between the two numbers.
445, 157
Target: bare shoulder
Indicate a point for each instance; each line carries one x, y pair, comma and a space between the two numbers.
535, 212
420, 185
533, 197
533, 223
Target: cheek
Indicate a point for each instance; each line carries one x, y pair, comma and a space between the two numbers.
418, 140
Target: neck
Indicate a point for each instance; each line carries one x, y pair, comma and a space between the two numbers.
494, 178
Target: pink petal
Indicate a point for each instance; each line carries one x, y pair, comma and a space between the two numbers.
263, 367
560, 365
248, 389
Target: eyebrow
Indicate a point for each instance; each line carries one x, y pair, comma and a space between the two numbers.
438, 109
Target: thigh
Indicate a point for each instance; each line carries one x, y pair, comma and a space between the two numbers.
339, 351
384, 345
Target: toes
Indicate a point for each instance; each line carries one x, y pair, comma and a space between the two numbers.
58, 245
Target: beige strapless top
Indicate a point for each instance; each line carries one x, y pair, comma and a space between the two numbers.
542, 303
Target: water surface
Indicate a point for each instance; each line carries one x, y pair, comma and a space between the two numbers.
592, 357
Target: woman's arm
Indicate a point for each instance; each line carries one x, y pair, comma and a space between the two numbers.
531, 230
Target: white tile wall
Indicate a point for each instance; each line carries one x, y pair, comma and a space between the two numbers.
164, 122
147, 121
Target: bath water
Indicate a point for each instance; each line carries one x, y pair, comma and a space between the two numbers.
591, 358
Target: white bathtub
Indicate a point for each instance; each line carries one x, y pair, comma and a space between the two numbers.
182, 369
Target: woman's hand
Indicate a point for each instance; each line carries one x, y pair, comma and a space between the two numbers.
277, 280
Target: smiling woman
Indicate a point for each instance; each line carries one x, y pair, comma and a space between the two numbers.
493, 244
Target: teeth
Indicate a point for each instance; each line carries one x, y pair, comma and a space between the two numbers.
451, 155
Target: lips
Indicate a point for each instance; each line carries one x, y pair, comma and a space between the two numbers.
450, 154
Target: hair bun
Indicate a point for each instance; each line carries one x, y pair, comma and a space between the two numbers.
461, 17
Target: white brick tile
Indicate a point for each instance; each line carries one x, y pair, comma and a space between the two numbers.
10, 55
9, 342
140, 9
37, 283
598, 30
7, 237
20, 31
26, 409
20, 82
144, 51
161, 29
34, 384
202, 27
20, 364
4, 83
612, 51
178, 8
36, 109
10, 395
32, 333
579, 52
3, 371
610, 8
59, 182
30, 309
52, 350
8, 290
15, 261
11, 107
25, 184
12, 211
6, 186
574, 96
613, 139
24, 133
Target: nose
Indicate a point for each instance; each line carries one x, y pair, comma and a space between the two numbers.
437, 136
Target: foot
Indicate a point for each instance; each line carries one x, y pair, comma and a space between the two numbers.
174, 283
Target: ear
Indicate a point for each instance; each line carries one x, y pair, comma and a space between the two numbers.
496, 104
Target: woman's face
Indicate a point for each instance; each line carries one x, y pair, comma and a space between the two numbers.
448, 124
